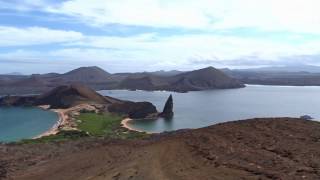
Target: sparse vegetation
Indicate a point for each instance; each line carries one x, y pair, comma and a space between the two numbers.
98, 124
106, 124
92, 125
61, 136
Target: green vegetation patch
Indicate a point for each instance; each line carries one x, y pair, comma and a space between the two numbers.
91, 124
107, 125
98, 124
61, 136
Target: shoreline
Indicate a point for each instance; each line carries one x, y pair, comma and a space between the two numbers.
55, 128
66, 118
124, 124
63, 120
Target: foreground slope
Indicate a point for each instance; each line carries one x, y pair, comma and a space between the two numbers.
282, 148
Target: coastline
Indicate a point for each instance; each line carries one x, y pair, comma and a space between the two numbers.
55, 128
66, 118
63, 120
124, 123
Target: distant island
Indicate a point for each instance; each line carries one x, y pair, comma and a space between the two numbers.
299, 75
98, 79
178, 81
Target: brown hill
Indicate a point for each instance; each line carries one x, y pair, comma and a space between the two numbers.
282, 148
93, 77
68, 96
147, 82
98, 79
202, 79
59, 97
86, 74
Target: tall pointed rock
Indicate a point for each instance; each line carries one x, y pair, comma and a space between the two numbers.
168, 108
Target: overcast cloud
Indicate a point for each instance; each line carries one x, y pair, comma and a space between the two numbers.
143, 35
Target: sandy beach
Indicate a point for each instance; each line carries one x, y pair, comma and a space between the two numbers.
62, 118
125, 122
66, 118
65, 121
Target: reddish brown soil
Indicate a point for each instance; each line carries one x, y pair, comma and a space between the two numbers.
280, 148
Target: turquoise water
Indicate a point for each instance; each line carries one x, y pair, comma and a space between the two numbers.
200, 109
21, 123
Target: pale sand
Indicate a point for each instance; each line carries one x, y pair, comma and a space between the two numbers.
64, 121
55, 128
124, 124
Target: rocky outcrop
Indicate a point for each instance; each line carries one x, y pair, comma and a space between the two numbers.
168, 109
134, 110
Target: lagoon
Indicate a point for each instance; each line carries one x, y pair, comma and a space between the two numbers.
18, 123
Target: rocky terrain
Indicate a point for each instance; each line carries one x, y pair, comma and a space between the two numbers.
63, 97
281, 148
167, 112
98, 79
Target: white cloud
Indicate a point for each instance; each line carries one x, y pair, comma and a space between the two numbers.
273, 15
13, 36
148, 51
142, 12
269, 15
182, 47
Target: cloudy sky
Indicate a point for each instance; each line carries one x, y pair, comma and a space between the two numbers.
38, 36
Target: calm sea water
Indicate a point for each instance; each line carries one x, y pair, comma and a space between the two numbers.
21, 123
199, 109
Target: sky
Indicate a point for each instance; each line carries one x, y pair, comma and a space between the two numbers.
39, 36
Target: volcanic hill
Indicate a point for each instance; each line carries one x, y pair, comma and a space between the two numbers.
69, 96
